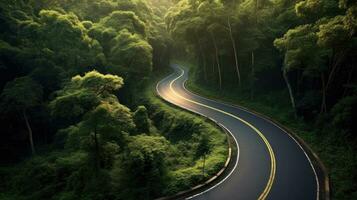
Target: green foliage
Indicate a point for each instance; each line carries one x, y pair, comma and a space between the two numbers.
142, 120
131, 49
78, 102
45, 43
343, 112
315, 9
301, 50
120, 20
185, 133
48, 75
104, 121
204, 146
225, 38
40, 185
139, 166
145, 166
65, 36
21, 94
7, 50
110, 120
101, 85
334, 33
83, 93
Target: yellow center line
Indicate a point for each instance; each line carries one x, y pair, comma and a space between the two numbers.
269, 185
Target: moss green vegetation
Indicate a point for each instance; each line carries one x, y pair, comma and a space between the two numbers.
73, 125
337, 153
187, 132
155, 151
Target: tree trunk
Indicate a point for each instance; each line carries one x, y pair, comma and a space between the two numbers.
217, 60
29, 132
337, 60
323, 90
234, 50
291, 94
299, 80
253, 58
203, 59
213, 64
252, 77
297, 89
256, 11
350, 75
204, 164
97, 163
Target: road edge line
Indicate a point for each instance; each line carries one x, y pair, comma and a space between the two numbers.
308, 151
268, 187
217, 175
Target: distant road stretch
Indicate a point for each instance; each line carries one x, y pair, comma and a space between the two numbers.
270, 165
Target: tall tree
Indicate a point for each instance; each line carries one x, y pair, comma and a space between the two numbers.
301, 53
21, 95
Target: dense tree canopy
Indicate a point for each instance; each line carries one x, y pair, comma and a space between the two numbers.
63, 64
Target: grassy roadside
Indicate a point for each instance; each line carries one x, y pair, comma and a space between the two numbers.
184, 130
335, 151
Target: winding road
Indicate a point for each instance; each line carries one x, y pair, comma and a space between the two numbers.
270, 163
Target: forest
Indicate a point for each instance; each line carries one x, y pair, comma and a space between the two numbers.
294, 61
76, 121
79, 119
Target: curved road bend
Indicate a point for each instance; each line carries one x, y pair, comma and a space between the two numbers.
271, 164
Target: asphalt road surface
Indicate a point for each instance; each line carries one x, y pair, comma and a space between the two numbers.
270, 163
